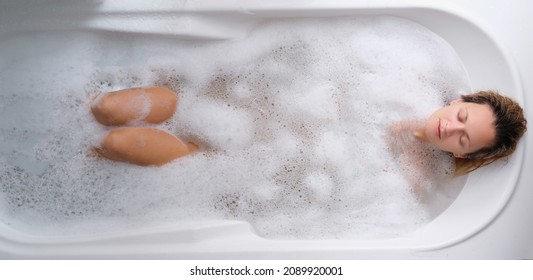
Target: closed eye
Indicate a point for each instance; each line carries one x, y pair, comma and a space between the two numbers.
462, 115
464, 140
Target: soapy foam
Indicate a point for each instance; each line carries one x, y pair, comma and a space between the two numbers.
292, 121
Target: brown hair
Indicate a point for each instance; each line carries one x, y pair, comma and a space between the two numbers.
510, 125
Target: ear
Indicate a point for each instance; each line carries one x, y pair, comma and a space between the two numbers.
459, 155
457, 101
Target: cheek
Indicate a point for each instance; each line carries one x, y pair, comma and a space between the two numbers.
453, 146
444, 145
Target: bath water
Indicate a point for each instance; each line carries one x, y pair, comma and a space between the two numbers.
292, 119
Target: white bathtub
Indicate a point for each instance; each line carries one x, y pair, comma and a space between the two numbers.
489, 219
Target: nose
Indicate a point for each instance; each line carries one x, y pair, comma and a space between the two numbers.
454, 127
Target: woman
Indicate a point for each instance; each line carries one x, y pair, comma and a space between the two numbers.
476, 129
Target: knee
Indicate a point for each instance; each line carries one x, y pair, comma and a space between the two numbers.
104, 110
152, 105
115, 145
163, 104
142, 146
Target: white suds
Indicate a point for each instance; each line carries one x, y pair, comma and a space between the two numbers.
292, 121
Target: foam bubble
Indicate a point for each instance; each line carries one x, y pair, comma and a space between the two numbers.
223, 126
311, 102
320, 185
293, 121
332, 147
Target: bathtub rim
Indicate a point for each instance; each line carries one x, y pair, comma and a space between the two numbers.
396, 243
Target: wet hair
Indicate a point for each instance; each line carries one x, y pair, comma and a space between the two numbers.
510, 124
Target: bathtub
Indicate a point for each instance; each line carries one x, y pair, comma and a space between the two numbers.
489, 219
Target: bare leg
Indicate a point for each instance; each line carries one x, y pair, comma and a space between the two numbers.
143, 146
150, 104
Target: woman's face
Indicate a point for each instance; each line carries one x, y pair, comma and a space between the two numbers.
461, 128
